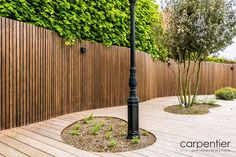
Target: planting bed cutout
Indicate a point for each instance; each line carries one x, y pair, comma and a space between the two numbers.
192, 110
104, 134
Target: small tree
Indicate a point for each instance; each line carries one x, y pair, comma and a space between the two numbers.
194, 29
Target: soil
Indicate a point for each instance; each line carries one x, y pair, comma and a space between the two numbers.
110, 137
193, 110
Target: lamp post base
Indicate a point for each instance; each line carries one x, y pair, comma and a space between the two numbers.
132, 135
133, 117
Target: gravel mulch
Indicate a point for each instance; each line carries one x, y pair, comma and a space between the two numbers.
104, 134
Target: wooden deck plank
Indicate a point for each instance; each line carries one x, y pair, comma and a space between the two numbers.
46, 125
30, 151
52, 122
108, 154
50, 149
1, 155
69, 119
41, 128
10, 152
149, 153
131, 154
44, 133
54, 143
61, 121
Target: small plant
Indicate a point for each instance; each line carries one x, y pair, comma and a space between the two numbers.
95, 129
227, 93
110, 128
135, 140
122, 124
74, 132
77, 127
112, 144
88, 118
109, 117
108, 135
206, 100
101, 123
122, 133
145, 133
209, 101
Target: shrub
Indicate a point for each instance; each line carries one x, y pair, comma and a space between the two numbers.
135, 140
95, 129
109, 117
102, 21
88, 118
205, 100
112, 144
77, 127
145, 133
122, 124
101, 123
227, 93
122, 133
110, 128
217, 59
74, 132
108, 135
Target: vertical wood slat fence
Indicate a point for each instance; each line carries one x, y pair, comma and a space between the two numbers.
41, 77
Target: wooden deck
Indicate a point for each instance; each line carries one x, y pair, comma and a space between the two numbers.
43, 139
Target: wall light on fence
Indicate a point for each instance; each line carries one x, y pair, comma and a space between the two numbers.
232, 68
83, 50
168, 64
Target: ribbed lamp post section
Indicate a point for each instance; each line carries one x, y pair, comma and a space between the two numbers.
133, 100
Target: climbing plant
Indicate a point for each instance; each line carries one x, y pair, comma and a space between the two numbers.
103, 21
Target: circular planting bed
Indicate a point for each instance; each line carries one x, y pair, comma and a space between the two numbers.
104, 134
192, 110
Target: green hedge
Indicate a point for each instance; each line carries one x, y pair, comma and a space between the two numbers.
216, 59
227, 93
103, 21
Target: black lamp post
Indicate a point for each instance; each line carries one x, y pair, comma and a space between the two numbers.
133, 100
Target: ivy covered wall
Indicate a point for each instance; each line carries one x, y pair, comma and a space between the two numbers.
103, 21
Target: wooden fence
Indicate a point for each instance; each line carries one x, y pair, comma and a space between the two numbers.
41, 77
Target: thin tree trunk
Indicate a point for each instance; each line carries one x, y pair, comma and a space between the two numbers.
190, 82
183, 84
176, 85
180, 84
198, 82
186, 84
